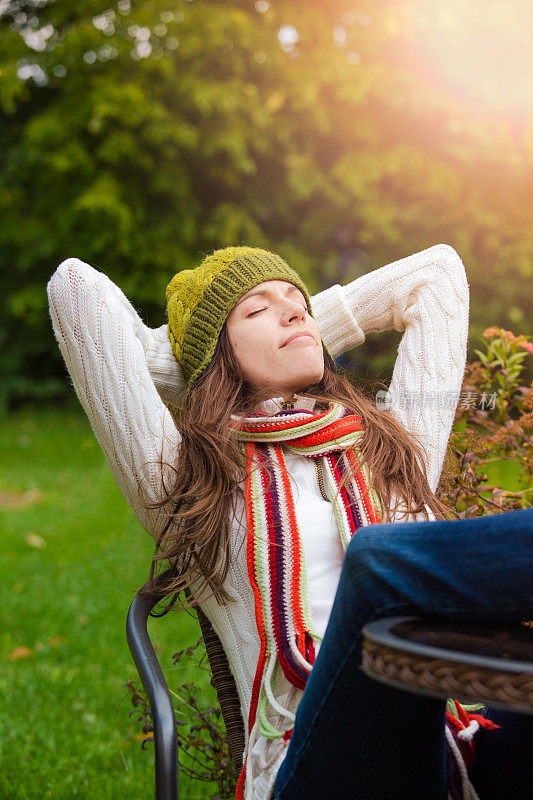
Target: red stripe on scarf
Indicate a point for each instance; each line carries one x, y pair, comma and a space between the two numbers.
366, 497
297, 611
333, 460
256, 688
284, 423
299, 623
337, 429
276, 587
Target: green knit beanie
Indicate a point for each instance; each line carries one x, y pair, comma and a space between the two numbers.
200, 299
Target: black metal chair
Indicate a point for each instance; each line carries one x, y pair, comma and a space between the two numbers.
153, 681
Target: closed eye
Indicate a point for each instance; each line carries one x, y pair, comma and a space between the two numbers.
258, 311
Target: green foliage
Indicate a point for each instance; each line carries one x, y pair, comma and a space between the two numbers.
489, 464
501, 366
139, 135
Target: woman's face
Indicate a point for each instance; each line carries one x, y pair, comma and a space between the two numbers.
275, 340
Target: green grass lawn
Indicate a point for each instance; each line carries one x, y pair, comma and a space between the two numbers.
73, 555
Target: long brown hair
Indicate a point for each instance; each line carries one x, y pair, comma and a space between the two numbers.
207, 477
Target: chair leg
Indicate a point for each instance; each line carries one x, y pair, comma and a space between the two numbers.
153, 681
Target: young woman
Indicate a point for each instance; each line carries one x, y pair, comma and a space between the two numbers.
262, 474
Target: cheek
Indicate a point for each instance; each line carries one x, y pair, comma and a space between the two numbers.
252, 346
259, 348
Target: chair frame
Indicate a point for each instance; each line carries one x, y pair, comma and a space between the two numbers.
153, 681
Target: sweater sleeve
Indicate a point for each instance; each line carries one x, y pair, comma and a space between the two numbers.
107, 350
162, 365
426, 297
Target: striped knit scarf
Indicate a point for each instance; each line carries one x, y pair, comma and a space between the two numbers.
276, 564
275, 557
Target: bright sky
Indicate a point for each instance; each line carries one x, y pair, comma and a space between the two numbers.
479, 49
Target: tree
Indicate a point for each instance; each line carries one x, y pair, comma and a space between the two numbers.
138, 136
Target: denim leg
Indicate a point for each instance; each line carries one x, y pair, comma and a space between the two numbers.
356, 738
503, 757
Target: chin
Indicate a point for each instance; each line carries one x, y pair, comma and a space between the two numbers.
309, 379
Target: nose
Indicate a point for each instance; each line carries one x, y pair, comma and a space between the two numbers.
292, 311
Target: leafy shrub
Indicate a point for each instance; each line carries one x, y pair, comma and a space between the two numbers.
493, 426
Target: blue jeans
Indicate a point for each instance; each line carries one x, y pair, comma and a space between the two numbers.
357, 739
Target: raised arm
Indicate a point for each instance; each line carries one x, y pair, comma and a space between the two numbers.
425, 296
162, 365
107, 350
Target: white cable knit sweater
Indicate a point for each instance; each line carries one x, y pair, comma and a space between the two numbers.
123, 372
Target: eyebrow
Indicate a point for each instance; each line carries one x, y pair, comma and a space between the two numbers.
267, 292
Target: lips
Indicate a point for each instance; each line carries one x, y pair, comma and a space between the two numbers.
298, 335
